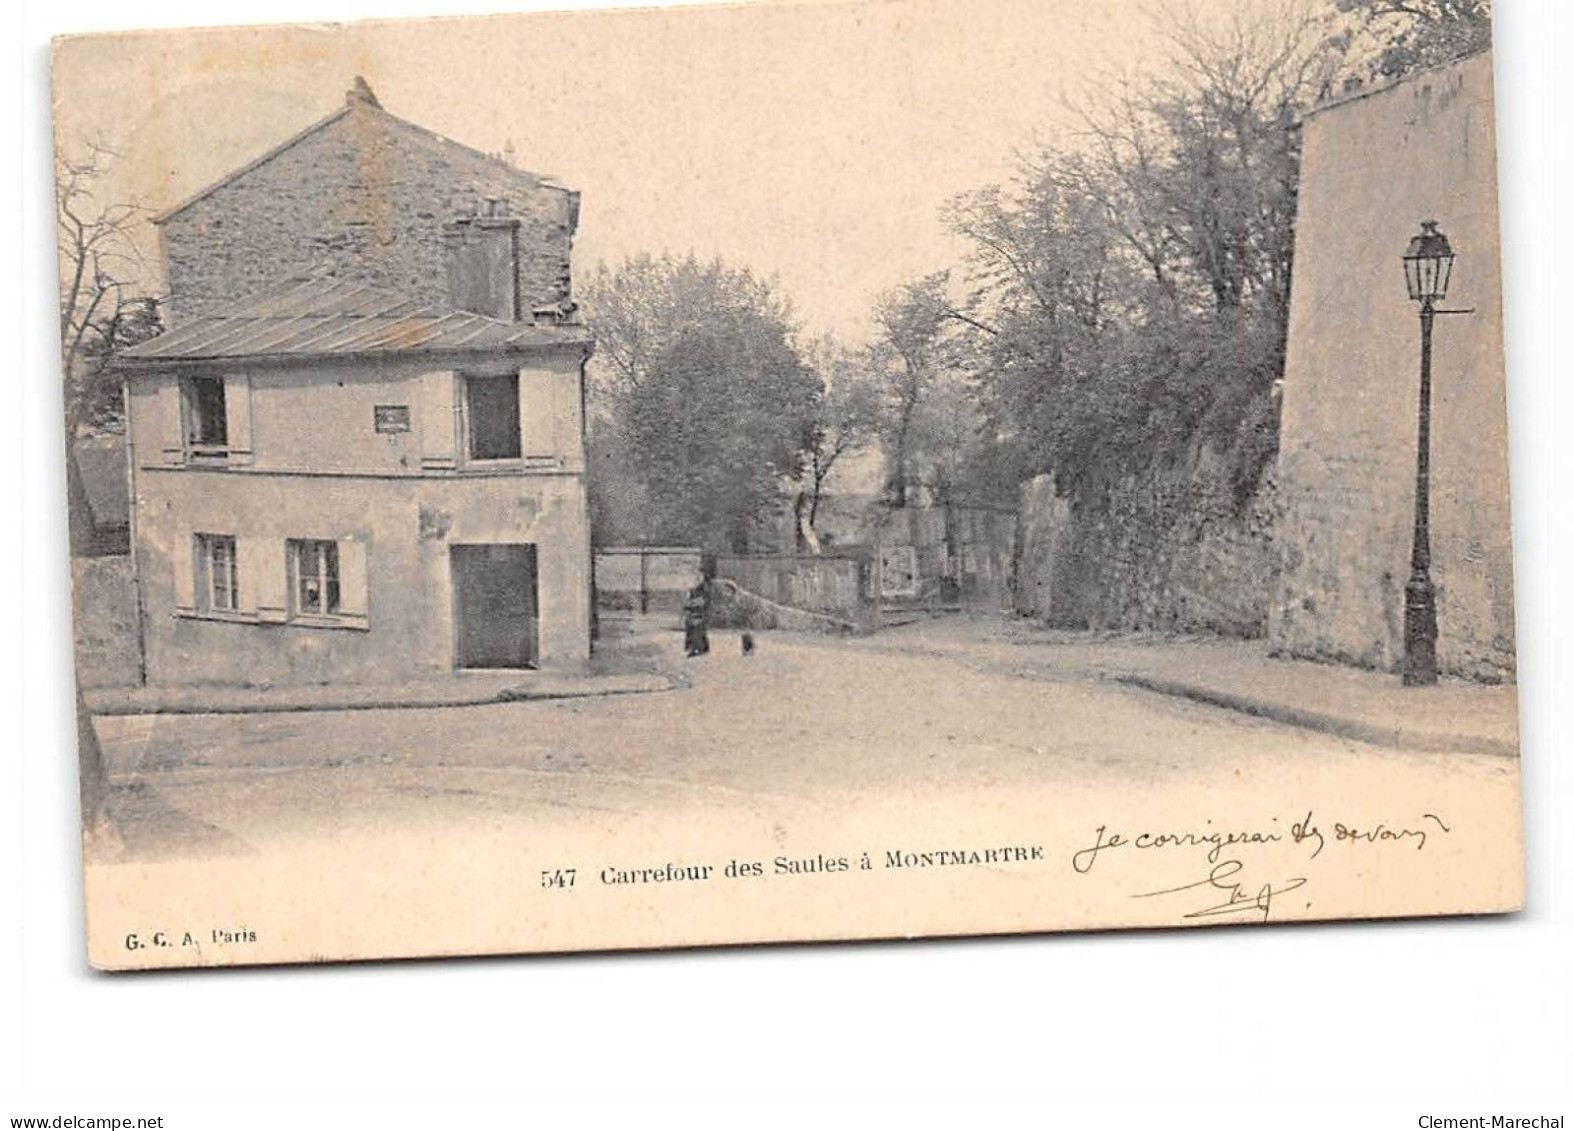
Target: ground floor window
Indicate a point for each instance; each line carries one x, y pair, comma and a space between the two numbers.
219, 589
314, 574
310, 582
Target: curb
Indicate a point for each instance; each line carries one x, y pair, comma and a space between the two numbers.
1372, 733
504, 695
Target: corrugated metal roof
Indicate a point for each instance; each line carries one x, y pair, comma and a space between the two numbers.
326, 317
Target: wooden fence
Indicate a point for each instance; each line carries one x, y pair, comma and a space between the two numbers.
645, 578
819, 583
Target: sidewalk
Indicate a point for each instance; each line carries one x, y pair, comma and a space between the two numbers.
461, 690
1240, 675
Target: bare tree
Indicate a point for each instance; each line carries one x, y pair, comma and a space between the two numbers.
846, 418
103, 307
1128, 294
101, 311
1197, 166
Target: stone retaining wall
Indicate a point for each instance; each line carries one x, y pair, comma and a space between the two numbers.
1170, 553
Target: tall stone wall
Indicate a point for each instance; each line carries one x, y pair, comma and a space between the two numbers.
1373, 168
1170, 552
366, 197
104, 616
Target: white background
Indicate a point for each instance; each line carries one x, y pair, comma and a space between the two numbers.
1362, 1026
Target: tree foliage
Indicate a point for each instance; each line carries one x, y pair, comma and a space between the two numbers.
1123, 308
1128, 295
913, 354
643, 306
1410, 34
702, 381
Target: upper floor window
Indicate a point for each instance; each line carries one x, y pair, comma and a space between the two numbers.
218, 583
492, 417
314, 566
204, 413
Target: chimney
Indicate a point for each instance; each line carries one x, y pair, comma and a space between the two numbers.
482, 249
361, 92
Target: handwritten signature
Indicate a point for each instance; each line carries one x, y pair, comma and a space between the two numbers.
1239, 898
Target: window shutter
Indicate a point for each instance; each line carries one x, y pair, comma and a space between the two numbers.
352, 577
171, 425
237, 416
183, 559
261, 577
438, 420
538, 413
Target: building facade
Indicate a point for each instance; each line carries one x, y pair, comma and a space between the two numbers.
371, 472
1374, 167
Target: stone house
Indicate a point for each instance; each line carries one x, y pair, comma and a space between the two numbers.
358, 452
1374, 166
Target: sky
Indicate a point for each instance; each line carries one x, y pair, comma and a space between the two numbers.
813, 142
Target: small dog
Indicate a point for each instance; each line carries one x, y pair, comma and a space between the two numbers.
747, 640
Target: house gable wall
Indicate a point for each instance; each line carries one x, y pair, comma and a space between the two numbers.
365, 197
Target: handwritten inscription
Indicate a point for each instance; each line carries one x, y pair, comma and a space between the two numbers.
1225, 850
1216, 841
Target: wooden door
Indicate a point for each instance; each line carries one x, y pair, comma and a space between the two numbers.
495, 615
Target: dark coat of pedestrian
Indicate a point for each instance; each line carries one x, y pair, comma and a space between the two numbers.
696, 618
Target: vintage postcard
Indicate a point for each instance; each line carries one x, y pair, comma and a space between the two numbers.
789, 471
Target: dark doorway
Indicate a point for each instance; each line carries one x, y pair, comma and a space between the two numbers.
494, 605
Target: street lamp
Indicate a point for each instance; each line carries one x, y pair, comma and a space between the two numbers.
1429, 261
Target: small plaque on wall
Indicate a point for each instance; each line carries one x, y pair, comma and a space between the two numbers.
391, 417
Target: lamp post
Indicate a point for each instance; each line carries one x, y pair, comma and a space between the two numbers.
1429, 261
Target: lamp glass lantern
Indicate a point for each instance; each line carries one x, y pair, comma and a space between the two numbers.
1429, 263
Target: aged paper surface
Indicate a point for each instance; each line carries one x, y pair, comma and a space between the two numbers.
786, 472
